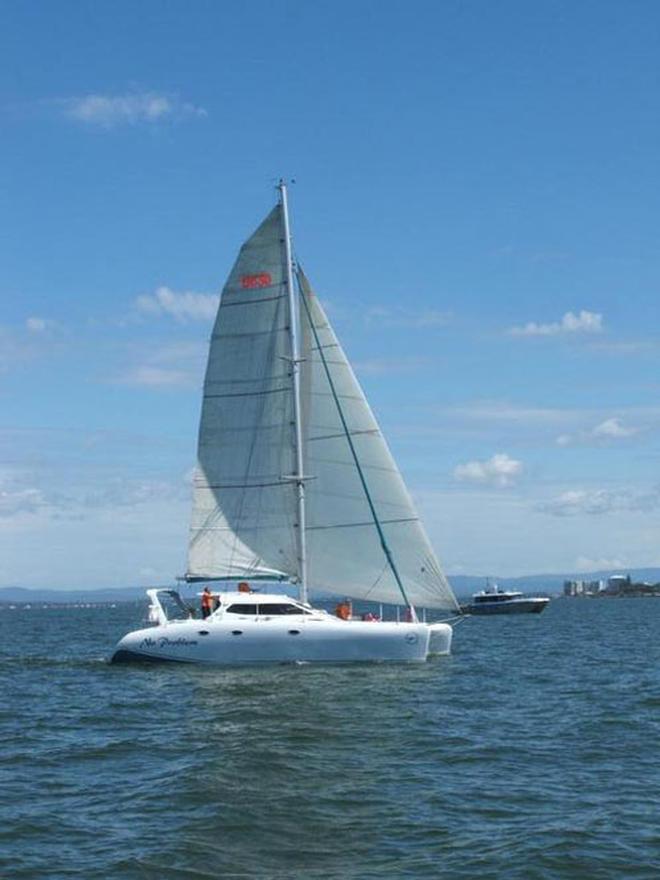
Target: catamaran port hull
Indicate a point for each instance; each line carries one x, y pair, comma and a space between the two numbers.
290, 641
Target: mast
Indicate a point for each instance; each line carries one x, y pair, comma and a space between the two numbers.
298, 477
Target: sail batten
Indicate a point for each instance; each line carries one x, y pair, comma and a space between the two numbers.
366, 524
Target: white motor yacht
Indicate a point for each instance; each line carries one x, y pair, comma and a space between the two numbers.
496, 601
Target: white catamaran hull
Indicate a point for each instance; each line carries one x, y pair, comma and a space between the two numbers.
284, 641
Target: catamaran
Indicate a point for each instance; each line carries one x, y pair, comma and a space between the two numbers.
294, 483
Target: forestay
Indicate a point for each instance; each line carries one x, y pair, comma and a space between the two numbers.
345, 552
243, 520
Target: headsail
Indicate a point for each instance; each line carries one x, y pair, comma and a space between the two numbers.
244, 509
345, 550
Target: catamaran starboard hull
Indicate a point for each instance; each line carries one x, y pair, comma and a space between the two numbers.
332, 641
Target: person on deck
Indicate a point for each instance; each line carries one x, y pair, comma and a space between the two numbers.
207, 601
343, 610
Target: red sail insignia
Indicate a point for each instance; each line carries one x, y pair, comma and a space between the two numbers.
261, 279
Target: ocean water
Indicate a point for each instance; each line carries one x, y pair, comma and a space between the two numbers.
531, 752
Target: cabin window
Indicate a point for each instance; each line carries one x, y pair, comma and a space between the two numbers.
242, 609
281, 608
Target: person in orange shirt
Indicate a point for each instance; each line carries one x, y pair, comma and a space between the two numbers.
207, 601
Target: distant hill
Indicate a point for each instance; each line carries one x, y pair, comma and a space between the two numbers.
462, 584
118, 594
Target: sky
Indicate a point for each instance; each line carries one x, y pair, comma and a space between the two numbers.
475, 200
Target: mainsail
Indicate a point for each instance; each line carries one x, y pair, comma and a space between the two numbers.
244, 513
358, 510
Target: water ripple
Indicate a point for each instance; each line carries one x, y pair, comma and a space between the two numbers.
529, 754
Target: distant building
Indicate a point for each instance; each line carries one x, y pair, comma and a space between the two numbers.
583, 588
617, 583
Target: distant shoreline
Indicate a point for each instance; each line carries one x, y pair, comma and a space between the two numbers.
641, 580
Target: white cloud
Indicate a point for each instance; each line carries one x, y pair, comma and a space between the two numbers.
404, 317
586, 563
131, 493
132, 108
158, 377
191, 353
13, 503
583, 322
182, 306
36, 325
112, 494
613, 428
596, 502
172, 366
609, 430
32, 339
500, 470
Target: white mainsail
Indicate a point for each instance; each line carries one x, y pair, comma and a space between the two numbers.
351, 516
244, 507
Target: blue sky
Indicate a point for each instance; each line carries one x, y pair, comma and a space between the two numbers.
476, 203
